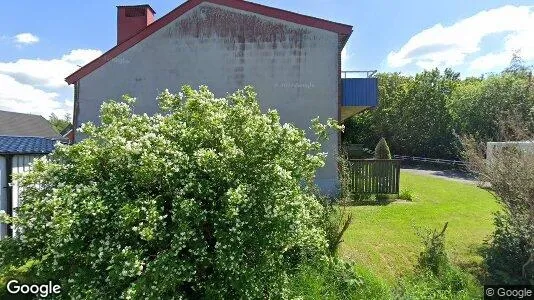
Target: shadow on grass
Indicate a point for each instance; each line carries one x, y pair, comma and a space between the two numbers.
371, 203
476, 268
382, 200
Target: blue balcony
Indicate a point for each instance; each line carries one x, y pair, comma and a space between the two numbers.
359, 94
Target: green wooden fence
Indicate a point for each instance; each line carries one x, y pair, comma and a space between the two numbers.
374, 176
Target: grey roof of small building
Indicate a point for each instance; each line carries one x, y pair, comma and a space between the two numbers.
19, 124
26, 145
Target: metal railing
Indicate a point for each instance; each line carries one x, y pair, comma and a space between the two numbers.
422, 159
368, 74
431, 160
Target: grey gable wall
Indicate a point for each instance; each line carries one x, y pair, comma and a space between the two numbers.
294, 68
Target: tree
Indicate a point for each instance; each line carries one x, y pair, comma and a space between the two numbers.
203, 201
423, 115
518, 65
412, 114
382, 150
59, 124
477, 106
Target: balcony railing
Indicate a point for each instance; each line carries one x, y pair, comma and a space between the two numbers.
368, 74
358, 91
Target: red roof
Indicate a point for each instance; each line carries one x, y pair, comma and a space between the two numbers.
342, 29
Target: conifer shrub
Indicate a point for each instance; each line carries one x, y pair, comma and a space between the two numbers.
382, 150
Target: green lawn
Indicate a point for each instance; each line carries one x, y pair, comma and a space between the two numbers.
383, 238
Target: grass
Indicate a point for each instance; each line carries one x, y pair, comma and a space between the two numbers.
384, 238
337, 281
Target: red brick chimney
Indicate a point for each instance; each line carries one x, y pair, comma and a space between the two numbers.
133, 19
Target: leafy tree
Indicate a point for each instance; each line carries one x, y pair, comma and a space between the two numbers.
518, 65
412, 115
423, 115
204, 201
479, 106
366, 128
382, 150
59, 124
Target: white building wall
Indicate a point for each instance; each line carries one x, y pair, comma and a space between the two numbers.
294, 68
3, 193
19, 164
492, 148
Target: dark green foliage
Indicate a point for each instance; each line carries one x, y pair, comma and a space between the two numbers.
435, 277
423, 115
407, 195
452, 284
507, 253
58, 123
382, 150
334, 279
479, 106
433, 257
203, 201
12, 268
336, 217
335, 221
382, 198
510, 255
411, 114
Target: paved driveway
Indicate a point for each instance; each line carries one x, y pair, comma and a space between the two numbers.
454, 175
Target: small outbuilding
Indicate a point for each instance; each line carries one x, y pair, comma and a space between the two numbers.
23, 137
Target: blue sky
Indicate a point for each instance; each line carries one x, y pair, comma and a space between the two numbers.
41, 42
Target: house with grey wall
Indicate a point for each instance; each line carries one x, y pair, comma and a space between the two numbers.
23, 138
292, 60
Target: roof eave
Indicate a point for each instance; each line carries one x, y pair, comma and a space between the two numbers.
345, 39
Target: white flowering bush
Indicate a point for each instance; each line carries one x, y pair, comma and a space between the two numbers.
206, 200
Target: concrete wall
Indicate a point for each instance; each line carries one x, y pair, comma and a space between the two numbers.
494, 148
294, 68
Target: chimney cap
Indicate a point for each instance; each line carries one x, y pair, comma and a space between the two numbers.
137, 6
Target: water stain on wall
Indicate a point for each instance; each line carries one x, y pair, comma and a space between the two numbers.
239, 32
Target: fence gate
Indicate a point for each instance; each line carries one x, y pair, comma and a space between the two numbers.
374, 176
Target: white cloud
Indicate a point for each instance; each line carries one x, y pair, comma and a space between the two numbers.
38, 86
26, 38
48, 73
18, 97
449, 46
345, 56
523, 42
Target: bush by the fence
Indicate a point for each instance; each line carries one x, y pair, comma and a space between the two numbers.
382, 150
